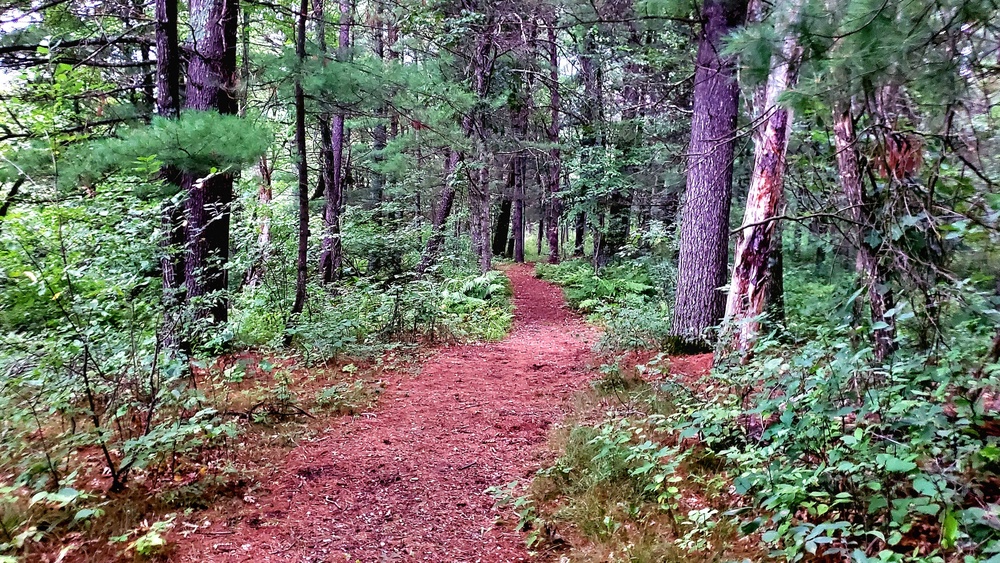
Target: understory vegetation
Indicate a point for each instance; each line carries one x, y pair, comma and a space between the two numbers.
97, 416
804, 449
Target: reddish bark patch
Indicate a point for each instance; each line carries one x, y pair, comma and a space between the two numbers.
407, 484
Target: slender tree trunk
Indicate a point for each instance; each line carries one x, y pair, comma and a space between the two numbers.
554, 207
441, 214
541, 226
502, 230
579, 234
519, 119
704, 245
517, 217
302, 259
756, 268
168, 104
211, 85
871, 273
479, 187
379, 133
264, 196
332, 254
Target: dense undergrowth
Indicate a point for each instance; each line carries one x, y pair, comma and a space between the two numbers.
104, 433
805, 449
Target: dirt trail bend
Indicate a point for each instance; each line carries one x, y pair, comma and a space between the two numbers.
407, 485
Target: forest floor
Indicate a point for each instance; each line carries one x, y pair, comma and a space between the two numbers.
407, 482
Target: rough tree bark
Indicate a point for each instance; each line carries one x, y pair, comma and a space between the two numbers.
379, 133
302, 259
756, 274
502, 230
704, 245
579, 234
168, 105
441, 214
554, 208
592, 114
331, 253
520, 112
211, 85
871, 273
479, 187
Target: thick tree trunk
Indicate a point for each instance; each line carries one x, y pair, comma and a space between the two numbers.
704, 245
211, 85
871, 273
756, 268
441, 214
332, 254
302, 259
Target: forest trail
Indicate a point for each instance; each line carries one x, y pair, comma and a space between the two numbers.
408, 484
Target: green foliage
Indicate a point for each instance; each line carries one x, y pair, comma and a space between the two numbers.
625, 298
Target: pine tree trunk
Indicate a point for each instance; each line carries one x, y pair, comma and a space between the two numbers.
517, 216
502, 230
479, 187
447, 200
756, 267
168, 103
704, 245
331, 253
302, 259
579, 234
379, 133
871, 273
554, 207
211, 85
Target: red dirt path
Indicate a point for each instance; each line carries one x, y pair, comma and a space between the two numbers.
408, 484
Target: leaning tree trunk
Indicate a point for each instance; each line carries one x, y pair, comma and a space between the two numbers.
704, 245
332, 253
870, 271
302, 259
554, 208
441, 214
211, 85
756, 268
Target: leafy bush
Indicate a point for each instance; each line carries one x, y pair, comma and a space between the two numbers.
368, 316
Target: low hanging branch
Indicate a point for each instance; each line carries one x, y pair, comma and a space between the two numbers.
801, 218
